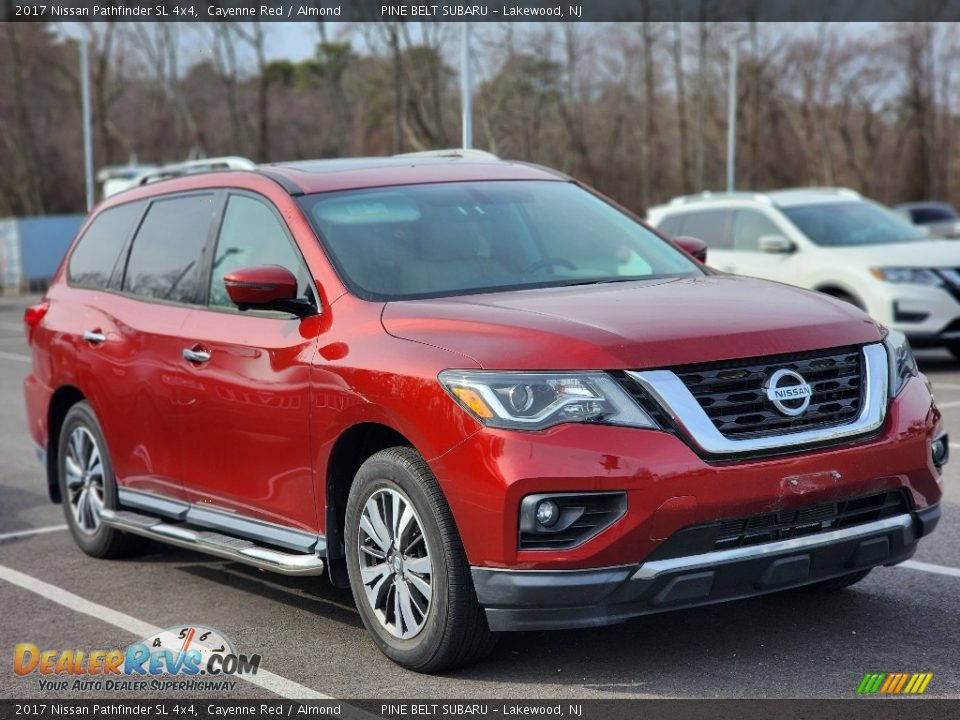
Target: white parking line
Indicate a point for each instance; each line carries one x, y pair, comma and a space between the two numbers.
267, 680
32, 531
945, 386
952, 403
14, 356
930, 568
11, 326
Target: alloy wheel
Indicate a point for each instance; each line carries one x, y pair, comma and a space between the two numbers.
395, 565
83, 465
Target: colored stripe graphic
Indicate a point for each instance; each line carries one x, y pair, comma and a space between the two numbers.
890, 683
870, 683
894, 683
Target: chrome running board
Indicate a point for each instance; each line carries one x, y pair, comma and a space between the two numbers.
213, 543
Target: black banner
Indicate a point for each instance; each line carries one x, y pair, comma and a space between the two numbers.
853, 709
480, 11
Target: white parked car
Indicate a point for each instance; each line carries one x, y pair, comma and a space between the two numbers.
835, 241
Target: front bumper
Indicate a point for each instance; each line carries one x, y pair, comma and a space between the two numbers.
668, 486
560, 599
928, 316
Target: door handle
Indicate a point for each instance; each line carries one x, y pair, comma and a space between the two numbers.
195, 356
94, 337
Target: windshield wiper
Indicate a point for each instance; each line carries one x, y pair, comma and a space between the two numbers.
604, 281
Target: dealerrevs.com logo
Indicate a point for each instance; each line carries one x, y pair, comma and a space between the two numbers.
173, 659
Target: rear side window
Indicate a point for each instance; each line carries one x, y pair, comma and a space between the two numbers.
167, 252
711, 226
95, 256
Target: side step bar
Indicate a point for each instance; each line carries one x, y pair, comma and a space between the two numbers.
213, 543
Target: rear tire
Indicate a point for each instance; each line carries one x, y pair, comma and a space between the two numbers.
87, 485
838, 583
408, 570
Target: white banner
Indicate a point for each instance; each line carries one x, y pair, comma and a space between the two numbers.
11, 267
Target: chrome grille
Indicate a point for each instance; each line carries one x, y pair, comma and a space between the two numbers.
732, 395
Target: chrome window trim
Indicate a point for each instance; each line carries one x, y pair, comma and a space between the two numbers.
651, 570
673, 396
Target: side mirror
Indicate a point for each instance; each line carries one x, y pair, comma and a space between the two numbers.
266, 287
692, 246
776, 244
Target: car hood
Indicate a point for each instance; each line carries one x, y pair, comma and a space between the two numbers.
638, 324
925, 253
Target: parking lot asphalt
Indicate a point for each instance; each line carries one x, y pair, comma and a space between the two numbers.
792, 644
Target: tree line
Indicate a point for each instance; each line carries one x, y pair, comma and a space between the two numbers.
636, 109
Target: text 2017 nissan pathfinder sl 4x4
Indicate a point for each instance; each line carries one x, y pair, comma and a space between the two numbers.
475, 392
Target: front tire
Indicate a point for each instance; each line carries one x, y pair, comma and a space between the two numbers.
408, 570
954, 349
87, 486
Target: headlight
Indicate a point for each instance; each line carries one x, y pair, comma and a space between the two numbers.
902, 364
535, 401
916, 276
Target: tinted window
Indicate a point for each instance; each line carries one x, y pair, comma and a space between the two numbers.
852, 223
95, 256
749, 226
711, 226
252, 234
166, 255
932, 214
455, 238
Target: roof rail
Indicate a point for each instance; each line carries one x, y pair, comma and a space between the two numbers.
466, 153
191, 167
709, 196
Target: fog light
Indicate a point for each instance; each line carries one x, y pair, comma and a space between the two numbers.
548, 512
940, 451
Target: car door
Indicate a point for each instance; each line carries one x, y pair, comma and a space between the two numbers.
747, 227
132, 341
245, 413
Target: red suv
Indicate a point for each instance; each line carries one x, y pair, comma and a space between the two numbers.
476, 392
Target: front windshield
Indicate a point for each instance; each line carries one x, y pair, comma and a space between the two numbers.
852, 223
444, 239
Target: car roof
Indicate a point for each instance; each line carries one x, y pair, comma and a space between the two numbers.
312, 176
812, 196
788, 197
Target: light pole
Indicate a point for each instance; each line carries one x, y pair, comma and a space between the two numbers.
734, 58
87, 128
466, 89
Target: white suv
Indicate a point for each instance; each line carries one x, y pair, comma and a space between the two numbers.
835, 241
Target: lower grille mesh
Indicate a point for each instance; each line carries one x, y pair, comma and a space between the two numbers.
824, 517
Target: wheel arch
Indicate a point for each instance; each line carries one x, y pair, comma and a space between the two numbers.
349, 451
835, 289
63, 398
